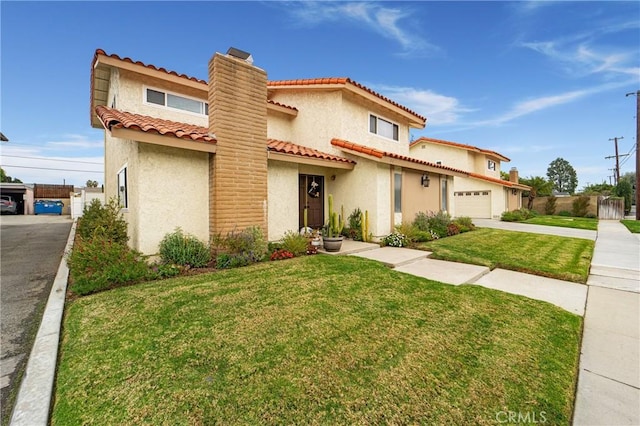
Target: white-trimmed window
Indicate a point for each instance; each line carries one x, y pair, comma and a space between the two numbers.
382, 127
491, 165
444, 199
397, 192
158, 97
122, 188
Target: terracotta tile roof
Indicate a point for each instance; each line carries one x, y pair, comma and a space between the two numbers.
153, 67
301, 82
339, 81
121, 119
293, 149
459, 145
341, 143
269, 101
499, 181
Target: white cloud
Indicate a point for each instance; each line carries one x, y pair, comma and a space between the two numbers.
439, 109
384, 20
75, 141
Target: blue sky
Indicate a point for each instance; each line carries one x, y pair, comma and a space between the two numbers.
532, 80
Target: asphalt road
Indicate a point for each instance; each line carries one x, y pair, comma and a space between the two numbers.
31, 248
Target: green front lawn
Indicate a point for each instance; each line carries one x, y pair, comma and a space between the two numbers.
313, 340
566, 222
547, 255
632, 225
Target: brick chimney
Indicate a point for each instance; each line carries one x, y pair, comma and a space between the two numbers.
513, 175
238, 119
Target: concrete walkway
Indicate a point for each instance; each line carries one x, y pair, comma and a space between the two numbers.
609, 380
536, 229
567, 295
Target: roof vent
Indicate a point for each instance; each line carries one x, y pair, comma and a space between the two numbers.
240, 54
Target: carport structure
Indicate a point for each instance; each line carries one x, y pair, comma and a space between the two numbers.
21, 193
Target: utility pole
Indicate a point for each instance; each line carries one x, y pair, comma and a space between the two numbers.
637, 93
617, 169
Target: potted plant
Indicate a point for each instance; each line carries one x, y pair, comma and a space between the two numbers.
332, 238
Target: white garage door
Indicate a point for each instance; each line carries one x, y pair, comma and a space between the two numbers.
474, 204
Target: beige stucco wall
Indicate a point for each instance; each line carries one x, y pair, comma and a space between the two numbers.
175, 186
325, 115
130, 97
415, 197
121, 153
367, 187
564, 204
447, 155
283, 198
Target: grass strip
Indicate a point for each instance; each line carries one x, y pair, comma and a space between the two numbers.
551, 256
632, 225
565, 222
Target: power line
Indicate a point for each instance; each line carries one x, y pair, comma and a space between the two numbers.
50, 168
50, 159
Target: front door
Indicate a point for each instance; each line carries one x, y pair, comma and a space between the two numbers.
311, 190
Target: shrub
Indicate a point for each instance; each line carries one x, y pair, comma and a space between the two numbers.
590, 216
240, 248
550, 205
355, 225
465, 224
517, 215
281, 254
564, 213
102, 220
395, 239
579, 206
97, 263
165, 270
452, 229
408, 230
423, 237
436, 222
421, 221
184, 249
295, 243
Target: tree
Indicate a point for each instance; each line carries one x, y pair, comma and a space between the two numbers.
92, 183
623, 189
8, 179
562, 175
631, 178
539, 187
598, 189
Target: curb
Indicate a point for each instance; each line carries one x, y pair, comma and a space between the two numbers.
34, 397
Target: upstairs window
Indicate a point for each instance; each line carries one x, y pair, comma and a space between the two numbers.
491, 165
173, 101
382, 127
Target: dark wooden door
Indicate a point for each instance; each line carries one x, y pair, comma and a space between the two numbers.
311, 190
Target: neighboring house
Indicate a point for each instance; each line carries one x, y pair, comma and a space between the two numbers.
481, 193
240, 150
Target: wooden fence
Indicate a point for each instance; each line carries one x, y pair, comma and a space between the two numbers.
611, 208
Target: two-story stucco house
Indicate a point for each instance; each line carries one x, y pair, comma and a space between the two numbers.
239, 150
481, 193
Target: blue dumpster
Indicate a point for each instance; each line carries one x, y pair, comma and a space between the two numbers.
48, 207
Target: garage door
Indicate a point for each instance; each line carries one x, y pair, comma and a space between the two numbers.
474, 204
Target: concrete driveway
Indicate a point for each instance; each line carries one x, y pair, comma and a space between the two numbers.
31, 248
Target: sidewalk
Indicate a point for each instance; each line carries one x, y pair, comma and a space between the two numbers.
609, 379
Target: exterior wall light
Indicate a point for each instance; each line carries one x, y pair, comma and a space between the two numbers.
425, 180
